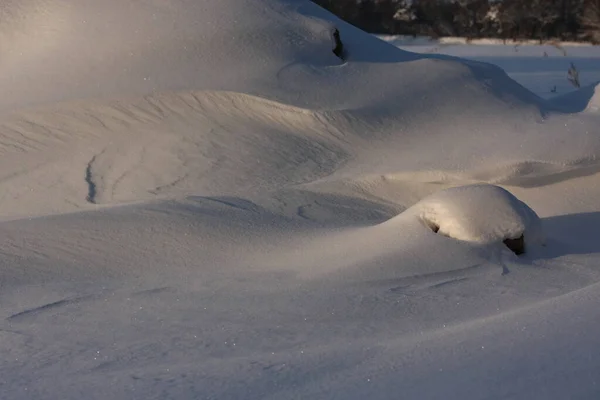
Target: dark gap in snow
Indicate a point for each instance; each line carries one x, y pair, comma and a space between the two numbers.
91, 196
338, 49
517, 246
435, 228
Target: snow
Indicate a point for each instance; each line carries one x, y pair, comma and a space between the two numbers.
541, 68
479, 214
594, 102
200, 200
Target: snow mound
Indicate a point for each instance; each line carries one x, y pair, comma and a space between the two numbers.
479, 214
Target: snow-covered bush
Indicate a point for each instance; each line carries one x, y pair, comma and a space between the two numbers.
481, 214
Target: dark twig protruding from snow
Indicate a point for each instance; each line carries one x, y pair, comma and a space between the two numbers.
573, 76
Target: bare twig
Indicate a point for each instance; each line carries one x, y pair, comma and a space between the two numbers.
573, 76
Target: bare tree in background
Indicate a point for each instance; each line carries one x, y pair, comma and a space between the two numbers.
470, 17
508, 19
590, 21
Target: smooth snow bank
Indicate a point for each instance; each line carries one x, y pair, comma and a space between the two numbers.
479, 214
60, 50
174, 300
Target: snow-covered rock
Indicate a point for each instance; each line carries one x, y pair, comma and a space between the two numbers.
480, 214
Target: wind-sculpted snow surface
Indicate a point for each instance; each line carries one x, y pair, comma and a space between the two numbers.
199, 199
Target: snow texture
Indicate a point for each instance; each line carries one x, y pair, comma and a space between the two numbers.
200, 200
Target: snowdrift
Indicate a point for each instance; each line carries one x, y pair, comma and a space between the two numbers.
231, 95
64, 49
200, 199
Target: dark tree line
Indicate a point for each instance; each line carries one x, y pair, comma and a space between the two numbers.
507, 19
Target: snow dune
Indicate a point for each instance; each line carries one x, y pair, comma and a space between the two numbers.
200, 200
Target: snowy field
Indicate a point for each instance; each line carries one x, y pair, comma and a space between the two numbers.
200, 200
543, 69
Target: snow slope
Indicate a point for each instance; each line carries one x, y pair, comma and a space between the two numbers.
200, 200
